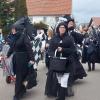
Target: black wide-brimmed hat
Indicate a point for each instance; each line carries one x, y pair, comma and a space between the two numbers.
69, 18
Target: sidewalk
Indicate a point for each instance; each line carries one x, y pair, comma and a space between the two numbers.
86, 89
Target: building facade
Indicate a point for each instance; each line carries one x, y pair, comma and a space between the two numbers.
48, 11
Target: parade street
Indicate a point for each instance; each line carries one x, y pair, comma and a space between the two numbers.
86, 89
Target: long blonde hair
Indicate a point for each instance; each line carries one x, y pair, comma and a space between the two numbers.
50, 33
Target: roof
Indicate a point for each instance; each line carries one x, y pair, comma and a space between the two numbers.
48, 7
95, 21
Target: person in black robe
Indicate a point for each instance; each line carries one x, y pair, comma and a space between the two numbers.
78, 38
22, 55
48, 40
68, 49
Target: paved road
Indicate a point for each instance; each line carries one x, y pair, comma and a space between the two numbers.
86, 89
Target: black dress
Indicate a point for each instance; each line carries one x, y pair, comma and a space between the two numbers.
68, 51
22, 50
79, 70
74, 67
47, 59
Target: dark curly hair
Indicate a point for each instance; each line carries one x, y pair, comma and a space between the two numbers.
60, 24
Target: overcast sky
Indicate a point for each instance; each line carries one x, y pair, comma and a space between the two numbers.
83, 10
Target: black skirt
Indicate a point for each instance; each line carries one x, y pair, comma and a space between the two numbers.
51, 87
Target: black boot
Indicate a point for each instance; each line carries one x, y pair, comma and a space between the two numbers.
89, 66
70, 91
61, 94
15, 98
93, 67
